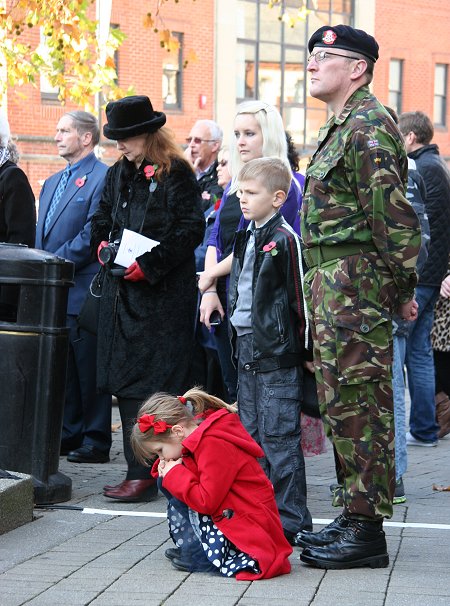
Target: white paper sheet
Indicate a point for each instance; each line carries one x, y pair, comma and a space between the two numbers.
133, 245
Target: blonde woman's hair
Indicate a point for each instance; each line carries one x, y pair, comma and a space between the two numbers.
272, 129
272, 173
161, 148
169, 408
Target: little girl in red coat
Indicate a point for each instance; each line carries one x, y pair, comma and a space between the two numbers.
208, 461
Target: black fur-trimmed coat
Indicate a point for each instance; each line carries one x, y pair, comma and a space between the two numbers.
146, 328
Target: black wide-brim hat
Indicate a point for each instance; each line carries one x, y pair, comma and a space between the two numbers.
131, 116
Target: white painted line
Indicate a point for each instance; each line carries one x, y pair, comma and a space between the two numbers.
399, 524
113, 512
153, 514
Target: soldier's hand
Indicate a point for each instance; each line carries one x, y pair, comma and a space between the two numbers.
408, 311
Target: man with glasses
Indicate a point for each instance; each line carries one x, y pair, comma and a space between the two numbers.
203, 144
361, 239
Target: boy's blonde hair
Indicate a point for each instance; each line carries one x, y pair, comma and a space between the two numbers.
272, 173
172, 410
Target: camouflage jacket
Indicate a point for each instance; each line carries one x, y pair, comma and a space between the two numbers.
355, 189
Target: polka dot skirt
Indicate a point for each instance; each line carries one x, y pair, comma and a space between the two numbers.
198, 529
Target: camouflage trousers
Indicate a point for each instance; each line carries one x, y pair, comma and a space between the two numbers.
349, 302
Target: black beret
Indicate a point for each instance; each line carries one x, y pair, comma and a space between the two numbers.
347, 38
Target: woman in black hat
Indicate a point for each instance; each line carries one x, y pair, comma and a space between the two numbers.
147, 310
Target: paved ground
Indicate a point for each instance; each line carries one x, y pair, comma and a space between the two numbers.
68, 557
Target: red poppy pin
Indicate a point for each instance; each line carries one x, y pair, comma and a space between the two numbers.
149, 172
80, 181
271, 247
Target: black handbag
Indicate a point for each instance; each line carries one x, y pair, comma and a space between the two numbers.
310, 402
89, 313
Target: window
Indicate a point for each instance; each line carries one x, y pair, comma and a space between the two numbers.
396, 85
48, 92
271, 59
172, 75
440, 94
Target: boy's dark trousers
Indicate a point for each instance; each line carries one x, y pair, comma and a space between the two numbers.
269, 408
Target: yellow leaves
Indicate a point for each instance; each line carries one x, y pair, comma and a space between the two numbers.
291, 19
110, 62
191, 57
68, 53
148, 21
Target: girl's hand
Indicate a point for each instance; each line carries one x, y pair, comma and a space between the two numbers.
168, 466
209, 303
205, 281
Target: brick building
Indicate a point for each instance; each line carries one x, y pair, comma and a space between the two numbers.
183, 94
243, 52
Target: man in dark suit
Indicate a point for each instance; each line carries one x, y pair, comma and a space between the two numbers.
67, 202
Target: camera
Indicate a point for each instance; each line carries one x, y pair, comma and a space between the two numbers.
108, 253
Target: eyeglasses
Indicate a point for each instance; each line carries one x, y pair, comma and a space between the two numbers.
197, 140
321, 55
223, 162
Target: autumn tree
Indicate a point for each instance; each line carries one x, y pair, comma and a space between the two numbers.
66, 48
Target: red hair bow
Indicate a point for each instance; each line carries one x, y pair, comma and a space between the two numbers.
147, 422
182, 399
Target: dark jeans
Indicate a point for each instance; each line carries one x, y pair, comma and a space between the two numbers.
420, 367
269, 408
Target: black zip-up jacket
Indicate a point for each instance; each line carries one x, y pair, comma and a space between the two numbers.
437, 206
278, 307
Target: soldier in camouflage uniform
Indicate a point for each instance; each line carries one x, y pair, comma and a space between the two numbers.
361, 240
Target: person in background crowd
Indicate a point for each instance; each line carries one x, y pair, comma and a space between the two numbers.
206, 369
147, 311
440, 339
17, 211
417, 130
362, 238
258, 132
203, 145
67, 203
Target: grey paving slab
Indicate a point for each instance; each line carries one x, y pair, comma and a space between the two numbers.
69, 557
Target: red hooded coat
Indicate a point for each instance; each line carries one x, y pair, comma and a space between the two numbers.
220, 473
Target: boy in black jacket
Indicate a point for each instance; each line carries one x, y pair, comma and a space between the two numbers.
269, 334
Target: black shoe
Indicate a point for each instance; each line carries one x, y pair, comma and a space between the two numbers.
181, 565
88, 454
290, 536
361, 544
323, 537
67, 447
172, 553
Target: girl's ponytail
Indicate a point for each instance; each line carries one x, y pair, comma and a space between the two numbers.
203, 402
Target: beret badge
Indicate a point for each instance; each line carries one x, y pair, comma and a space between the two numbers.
329, 37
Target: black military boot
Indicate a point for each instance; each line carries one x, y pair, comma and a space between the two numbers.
361, 544
323, 537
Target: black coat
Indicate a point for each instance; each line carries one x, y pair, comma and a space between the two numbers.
17, 206
146, 328
437, 205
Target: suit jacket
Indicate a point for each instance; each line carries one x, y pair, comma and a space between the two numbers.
69, 232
